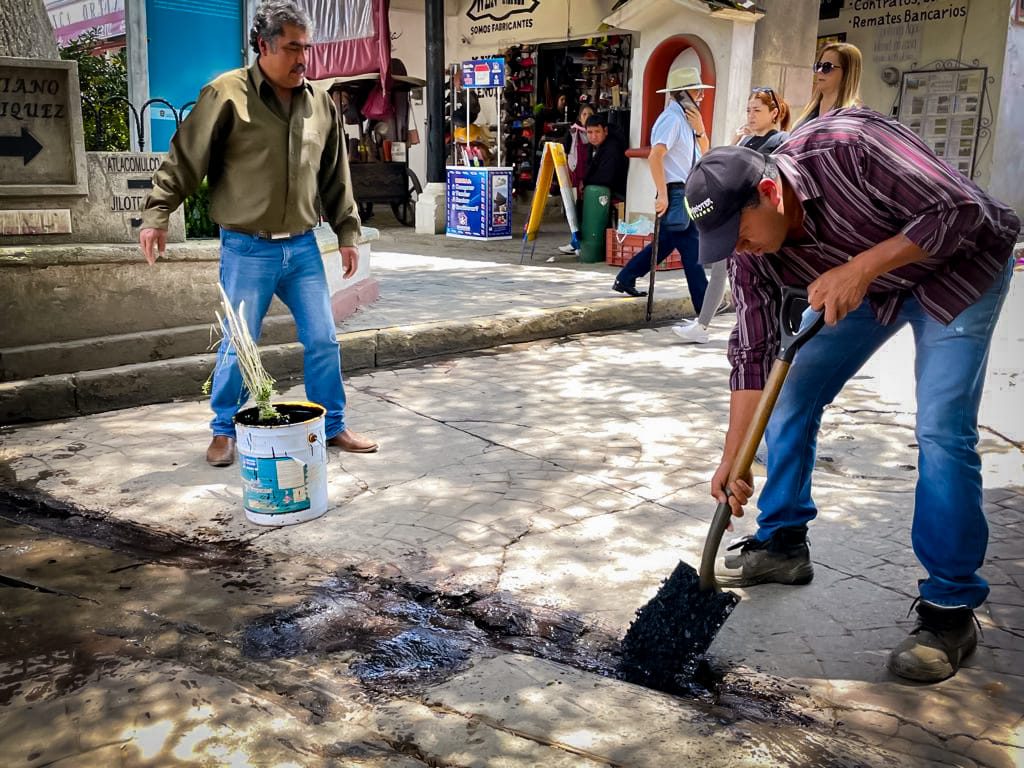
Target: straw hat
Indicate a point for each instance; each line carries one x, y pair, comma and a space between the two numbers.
684, 79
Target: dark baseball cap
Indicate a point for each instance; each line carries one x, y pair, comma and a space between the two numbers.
720, 184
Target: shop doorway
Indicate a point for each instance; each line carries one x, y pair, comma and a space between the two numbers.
549, 84
662, 59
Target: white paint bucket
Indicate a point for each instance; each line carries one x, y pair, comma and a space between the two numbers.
284, 467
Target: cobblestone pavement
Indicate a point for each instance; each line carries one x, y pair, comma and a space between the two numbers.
416, 288
425, 278
573, 474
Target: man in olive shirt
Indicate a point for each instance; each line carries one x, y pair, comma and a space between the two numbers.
271, 148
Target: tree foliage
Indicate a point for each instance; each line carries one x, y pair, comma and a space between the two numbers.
197, 214
103, 79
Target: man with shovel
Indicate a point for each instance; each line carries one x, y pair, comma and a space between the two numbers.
883, 234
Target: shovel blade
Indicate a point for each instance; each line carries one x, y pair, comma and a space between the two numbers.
670, 634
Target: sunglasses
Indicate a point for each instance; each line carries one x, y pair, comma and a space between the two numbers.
825, 67
771, 93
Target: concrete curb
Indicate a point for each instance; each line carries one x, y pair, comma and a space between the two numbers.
77, 254
77, 394
80, 355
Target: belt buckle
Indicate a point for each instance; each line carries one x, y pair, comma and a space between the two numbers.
278, 235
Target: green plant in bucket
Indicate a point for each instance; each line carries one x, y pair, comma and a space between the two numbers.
255, 377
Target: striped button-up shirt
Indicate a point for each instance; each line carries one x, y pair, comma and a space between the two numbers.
862, 178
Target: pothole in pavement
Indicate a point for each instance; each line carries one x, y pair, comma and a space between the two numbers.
395, 637
406, 634
401, 638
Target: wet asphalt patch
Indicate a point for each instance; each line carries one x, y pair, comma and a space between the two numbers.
398, 637
401, 636
408, 635
28, 506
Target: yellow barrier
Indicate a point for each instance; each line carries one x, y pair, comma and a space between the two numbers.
553, 161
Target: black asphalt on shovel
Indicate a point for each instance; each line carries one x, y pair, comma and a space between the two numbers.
654, 268
671, 633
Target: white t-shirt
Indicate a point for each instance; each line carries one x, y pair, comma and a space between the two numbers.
672, 130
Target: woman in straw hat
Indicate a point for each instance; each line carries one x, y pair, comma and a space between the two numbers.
677, 140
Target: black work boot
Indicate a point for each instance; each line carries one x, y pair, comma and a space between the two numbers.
783, 559
942, 639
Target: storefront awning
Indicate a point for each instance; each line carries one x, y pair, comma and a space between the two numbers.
351, 38
722, 8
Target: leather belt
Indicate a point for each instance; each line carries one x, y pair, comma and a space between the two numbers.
676, 184
264, 235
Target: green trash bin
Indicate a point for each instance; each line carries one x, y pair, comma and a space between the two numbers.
597, 205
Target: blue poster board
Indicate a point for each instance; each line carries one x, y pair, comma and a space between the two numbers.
479, 203
214, 31
483, 73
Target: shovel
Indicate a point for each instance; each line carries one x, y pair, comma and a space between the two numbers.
670, 634
793, 336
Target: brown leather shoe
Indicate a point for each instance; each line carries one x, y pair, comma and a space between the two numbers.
353, 442
221, 452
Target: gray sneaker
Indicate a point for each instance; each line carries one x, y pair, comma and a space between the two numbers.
784, 559
940, 642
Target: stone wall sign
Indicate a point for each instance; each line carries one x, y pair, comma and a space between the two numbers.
42, 149
110, 213
118, 185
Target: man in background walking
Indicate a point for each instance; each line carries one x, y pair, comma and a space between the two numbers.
677, 140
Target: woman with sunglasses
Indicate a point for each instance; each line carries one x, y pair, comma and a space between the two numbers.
836, 81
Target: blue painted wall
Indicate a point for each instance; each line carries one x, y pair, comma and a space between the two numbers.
189, 43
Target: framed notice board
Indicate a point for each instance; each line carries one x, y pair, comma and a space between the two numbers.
943, 106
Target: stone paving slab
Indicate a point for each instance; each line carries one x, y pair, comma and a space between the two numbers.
156, 714
417, 288
574, 474
575, 711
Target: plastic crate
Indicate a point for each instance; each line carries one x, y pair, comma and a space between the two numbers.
619, 249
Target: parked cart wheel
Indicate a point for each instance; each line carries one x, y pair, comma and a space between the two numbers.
405, 211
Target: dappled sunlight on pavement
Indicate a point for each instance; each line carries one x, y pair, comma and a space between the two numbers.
574, 474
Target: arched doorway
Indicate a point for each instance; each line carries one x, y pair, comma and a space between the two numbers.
656, 75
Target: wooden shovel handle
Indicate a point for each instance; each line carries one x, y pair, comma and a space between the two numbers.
759, 421
740, 466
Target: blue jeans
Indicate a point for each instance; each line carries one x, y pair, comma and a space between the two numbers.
949, 532
254, 271
682, 240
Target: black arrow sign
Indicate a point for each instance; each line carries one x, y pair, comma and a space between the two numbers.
24, 146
